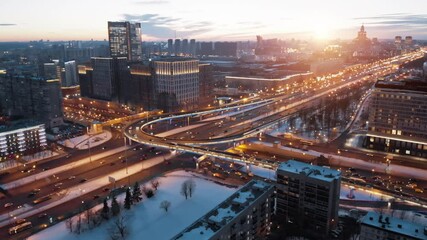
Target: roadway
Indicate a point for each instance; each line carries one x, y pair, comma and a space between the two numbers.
72, 207
272, 111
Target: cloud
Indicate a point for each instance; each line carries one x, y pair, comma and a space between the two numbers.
389, 25
151, 2
163, 27
409, 20
7, 24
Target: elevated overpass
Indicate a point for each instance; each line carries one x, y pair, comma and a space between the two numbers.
282, 106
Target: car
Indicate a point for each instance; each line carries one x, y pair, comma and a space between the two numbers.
72, 177
31, 194
106, 189
68, 156
123, 161
243, 177
158, 152
7, 205
36, 190
103, 148
95, 196
419, 190
45, 169
43, 215
82, 180
20, 221
58, 184
112, 164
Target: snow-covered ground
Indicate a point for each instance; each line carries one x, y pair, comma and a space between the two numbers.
361, 194
39, 156
261, 172
28, 159
147, 220
83, 141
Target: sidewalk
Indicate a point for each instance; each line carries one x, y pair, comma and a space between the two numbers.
4, 166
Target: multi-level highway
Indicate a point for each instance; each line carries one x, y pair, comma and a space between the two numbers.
231, 124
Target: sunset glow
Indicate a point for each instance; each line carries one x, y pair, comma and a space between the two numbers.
232, 20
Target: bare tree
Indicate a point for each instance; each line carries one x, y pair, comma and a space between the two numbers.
165, 205
88, 213
88, 216
155, 184
78, 228
69, 223
188, 187
96, 219
191, 187
119, 229
184, 189
148, 191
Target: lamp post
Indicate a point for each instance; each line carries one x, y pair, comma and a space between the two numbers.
90, 154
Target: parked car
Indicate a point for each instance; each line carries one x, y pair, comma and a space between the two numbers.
7, 205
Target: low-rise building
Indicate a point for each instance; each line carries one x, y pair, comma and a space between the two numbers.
244, 215
376, 226
21, 138
308, 196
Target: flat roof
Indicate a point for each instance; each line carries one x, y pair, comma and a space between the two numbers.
174, 59
225, 212
269, 79
396, 225
313, 171
408, 85
19, 124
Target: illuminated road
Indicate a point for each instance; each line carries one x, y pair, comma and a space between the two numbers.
232, 124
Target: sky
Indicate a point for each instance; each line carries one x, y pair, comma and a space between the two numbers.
24, 20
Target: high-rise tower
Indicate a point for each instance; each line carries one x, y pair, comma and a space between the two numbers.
125, 40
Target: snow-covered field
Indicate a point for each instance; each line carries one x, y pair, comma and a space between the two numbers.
362, 194
146, 220
82, 142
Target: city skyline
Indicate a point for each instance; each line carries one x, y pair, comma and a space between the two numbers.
220, 20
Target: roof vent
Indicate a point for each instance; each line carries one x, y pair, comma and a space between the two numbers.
399, 225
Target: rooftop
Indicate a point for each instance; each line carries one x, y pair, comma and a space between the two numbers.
395, 225
173, 59
15, 125
267, 77
409, 85
225, 212
313, 171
